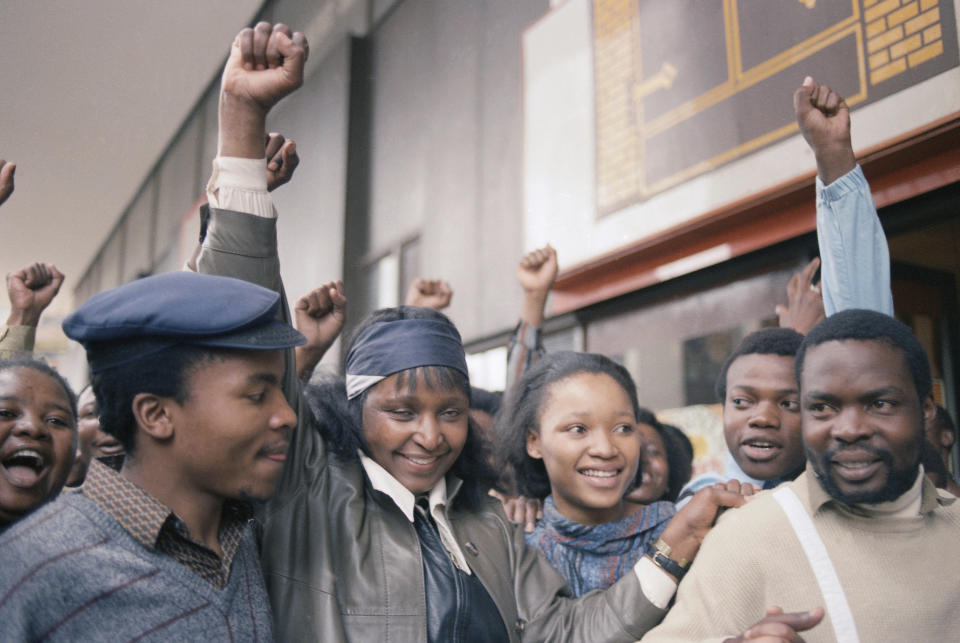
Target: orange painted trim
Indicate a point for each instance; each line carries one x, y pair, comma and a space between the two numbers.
899, 169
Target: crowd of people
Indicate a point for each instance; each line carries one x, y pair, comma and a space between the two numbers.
211, 484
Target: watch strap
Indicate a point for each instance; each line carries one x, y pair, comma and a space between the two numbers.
669, 565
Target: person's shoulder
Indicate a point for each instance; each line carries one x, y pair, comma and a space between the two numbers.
490, 509
50, 536
69, 515
700, 482
489, 518
705, 479
67, 511
948, 507
759, 517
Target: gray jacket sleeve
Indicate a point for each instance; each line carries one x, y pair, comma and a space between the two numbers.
244, 246
855, 261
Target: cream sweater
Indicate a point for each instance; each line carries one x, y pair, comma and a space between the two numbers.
901, 575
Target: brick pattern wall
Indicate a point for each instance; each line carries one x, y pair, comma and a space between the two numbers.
618, 142
901, 34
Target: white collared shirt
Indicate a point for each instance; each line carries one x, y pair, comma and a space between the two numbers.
383, 481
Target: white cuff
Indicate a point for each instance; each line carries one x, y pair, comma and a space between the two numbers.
240, 184
657, 585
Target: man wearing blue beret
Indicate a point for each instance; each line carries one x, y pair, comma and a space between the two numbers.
188, 372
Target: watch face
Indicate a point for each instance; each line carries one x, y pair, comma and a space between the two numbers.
662, 547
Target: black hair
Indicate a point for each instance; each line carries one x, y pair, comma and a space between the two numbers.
340, 420
164, 373
943, 422
524, 406
678, 450
869, 325
679, 459
487, 401
766, 341
46, 369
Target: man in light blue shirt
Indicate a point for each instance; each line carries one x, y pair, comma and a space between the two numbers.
855, 273
855, 270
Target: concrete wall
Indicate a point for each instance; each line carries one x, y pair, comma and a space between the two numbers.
445, 137
446, 147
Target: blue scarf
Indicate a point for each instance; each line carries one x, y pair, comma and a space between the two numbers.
595, 556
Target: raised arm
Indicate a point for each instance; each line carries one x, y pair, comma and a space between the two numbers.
282, 162
265, 64
31, 290
536, 272
804, 308
853, 248
429, 293
320, 315
7, 170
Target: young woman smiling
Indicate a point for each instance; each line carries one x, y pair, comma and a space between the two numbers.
570, 434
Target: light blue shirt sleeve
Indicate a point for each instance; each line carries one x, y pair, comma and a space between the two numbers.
731, 471
855, 260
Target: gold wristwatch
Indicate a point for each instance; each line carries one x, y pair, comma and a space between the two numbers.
661, 557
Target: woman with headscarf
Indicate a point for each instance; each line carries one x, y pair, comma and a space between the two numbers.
380, 529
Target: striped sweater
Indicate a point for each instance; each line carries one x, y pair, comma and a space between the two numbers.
69, 572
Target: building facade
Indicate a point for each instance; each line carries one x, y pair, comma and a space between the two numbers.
652, 143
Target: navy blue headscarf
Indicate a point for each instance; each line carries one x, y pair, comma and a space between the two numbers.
390, 347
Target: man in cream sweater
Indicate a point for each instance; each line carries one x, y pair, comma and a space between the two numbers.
861, 546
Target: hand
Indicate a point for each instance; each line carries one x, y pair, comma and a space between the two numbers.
429, 293
777, 627
537, 270
265, 64
319, 316
282, 160
686, 530
824, 121
31, 290
7, 170
520, 509
804, 308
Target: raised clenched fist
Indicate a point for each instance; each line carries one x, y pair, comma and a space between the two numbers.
537, 270
824, 120
265, 64
429, 293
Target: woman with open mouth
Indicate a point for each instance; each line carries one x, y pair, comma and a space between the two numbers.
38, 436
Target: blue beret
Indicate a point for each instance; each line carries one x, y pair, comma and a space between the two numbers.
150, 314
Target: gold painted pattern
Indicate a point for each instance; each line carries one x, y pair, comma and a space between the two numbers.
891, 36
